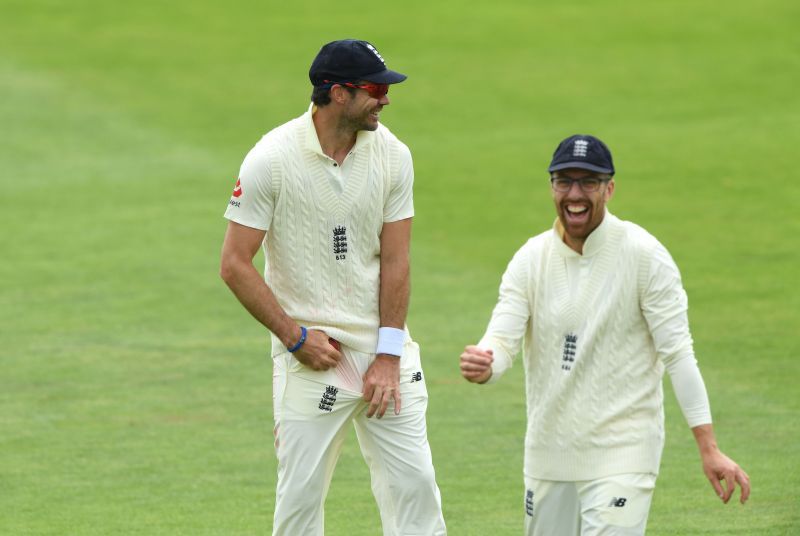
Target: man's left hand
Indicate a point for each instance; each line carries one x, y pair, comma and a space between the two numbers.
381, 384
719, 468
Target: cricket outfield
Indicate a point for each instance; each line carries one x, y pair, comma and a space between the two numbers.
135, 392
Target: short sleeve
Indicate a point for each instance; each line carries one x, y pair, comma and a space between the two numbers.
252, 200
400, 203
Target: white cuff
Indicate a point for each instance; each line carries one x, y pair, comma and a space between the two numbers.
391, 341
502, 361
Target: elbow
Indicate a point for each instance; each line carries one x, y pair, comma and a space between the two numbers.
227, 270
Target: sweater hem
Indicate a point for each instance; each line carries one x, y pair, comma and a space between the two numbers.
590, 464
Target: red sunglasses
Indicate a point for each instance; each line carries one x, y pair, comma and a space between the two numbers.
376, 91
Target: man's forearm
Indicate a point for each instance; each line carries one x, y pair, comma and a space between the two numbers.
394, 293
255, 295
395, 277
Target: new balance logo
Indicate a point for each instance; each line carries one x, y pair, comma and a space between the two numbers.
529, 502
618, 502
580, 148
570, 347
328, 398
416, 377
340, 242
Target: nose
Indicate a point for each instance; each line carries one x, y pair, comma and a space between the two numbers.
384, 101
575, 189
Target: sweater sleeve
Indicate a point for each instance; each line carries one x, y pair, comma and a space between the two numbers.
665, 305
510, 316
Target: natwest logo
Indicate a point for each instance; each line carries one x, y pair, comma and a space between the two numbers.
237, 190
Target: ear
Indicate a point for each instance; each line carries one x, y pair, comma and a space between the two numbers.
609, 190
339, 94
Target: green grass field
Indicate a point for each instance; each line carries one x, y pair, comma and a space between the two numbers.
135, 392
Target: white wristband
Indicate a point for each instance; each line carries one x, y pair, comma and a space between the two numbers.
391, 341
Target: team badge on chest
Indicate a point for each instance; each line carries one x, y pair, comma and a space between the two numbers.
570, 347
340, 242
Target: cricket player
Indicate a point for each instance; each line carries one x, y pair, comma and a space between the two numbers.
597, 305
329, 197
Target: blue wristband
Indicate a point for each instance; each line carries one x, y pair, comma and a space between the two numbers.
296, 347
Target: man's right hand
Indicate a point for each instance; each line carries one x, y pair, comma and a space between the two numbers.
476, 364
317, 353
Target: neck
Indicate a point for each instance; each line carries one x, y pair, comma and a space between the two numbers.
336, 138
575, 244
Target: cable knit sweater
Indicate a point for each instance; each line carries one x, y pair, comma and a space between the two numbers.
322, 246
599, 329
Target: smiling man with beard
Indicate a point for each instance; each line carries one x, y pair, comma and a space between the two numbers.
329, 197
598, 308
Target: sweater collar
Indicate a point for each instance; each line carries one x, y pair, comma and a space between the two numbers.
594, 242
363, 137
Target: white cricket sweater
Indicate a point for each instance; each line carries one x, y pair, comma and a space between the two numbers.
322, 247
599, 329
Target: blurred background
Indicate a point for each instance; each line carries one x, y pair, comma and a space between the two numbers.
135, 392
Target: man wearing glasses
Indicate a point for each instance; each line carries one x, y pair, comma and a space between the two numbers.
329, 195
598, 307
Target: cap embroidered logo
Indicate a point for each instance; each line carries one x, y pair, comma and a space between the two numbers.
375, 51
237, 190
581, 146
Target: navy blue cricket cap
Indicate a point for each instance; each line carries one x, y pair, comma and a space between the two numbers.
584, 152
350, 60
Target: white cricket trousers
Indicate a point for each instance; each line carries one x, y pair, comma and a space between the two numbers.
616, 505
313, 410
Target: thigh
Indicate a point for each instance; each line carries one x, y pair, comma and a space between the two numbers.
400, 440
309, 414
397, 452
307, 400
397, 440
310, 426
300, 393
616, 505
552, 508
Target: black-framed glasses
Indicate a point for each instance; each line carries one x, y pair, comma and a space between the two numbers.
587, 184
376, 91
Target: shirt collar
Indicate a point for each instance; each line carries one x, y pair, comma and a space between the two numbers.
363, 137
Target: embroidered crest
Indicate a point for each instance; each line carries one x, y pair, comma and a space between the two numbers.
328, 398
377, 54
581, 146
570, 346
340, 242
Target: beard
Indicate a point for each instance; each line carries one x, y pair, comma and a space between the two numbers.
363, 120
